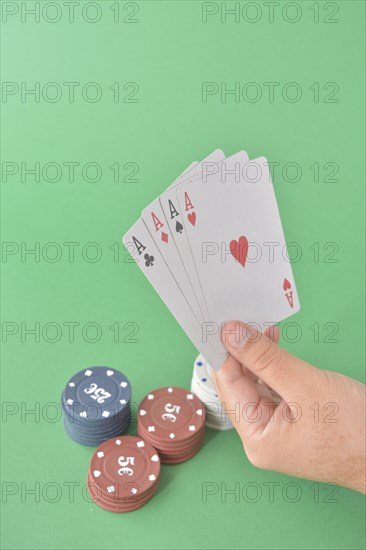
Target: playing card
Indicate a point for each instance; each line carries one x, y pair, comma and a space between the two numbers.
204, 169
236, 241
143, 250
155, 220
227, 170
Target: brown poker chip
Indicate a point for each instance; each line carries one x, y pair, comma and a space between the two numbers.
124, 473
112, 504
172, 419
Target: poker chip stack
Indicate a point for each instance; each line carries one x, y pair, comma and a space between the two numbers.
96, 405
124, 474
202, 385
173, 421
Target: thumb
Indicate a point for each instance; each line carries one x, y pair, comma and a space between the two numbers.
283, 372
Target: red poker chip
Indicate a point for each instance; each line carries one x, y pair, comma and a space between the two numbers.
161, 448
171, 415
117, 506
115, 499
173, 420
168, 460
183, 450
167, 445
114, 505
125, 468
165, 457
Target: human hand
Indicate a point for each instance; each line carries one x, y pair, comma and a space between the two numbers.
316, 430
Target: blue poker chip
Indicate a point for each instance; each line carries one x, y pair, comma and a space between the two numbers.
96, 405
117, 429
92, 422
93, 440
82, 439
97, 394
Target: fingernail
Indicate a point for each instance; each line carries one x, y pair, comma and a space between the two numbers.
236, 335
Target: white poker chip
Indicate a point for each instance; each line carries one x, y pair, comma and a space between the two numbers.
203, 375
220, 427
202, 385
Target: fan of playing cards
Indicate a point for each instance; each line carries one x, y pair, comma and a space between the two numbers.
212, 246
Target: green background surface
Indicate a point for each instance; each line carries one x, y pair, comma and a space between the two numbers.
169, 52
